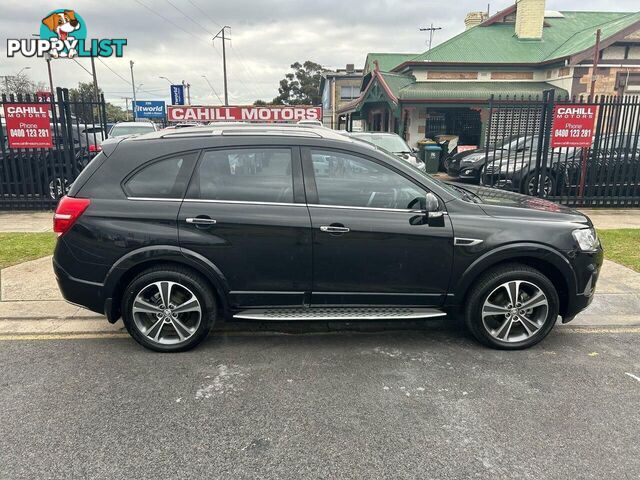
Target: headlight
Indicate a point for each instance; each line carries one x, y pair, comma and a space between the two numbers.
587, 239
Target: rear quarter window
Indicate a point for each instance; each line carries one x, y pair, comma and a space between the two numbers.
163, 178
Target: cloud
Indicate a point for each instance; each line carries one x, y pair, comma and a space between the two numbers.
172, 38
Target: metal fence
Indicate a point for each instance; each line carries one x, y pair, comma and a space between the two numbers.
519, 155
35, 178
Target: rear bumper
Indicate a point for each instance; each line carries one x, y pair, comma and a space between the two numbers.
79, 292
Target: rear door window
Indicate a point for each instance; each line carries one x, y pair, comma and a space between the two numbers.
244, 175
165, 178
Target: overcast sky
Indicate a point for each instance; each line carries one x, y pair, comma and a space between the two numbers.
172, 38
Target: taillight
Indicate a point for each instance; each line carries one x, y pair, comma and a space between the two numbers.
68, 211
95, 148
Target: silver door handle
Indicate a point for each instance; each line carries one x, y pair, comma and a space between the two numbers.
200, 221
331, 229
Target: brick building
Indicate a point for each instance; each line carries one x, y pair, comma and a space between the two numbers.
520, 51
338, 88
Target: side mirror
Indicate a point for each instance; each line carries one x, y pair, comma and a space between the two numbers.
432, 204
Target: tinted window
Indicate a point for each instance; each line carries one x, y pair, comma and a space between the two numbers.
347, 180
162, 179
250, 175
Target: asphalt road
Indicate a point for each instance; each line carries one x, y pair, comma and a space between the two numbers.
412, 404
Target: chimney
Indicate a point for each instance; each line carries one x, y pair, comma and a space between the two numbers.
530, 19
351, 67
474, 18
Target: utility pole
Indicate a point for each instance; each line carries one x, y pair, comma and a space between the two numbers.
95, 79
220, 35
592, 89
126, 108
187, 87
133, 87
430, 29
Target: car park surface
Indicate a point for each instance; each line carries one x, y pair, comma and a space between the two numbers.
429, 403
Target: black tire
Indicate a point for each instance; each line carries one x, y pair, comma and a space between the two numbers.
188, 281
489, 283
529, 184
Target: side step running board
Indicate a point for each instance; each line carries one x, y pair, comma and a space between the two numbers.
324, 313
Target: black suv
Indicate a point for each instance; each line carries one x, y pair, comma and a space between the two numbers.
175, 229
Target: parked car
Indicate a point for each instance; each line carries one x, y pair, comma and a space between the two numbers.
613, 162
175, 230
125, 129
50, 172
392, 143
468, 165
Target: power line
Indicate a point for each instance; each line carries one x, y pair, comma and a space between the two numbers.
204, 13
121, 77
82, 66
172, 23
188, 17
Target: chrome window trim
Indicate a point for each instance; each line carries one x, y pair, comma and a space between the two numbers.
154, 199
282, 204
375, 209
244, 202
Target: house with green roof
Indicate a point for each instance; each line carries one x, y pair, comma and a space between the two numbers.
519, 52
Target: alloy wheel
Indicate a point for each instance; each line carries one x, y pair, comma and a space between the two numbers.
547, 185
515, 311
167, 312
58, 188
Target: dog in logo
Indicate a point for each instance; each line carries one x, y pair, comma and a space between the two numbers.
62, 24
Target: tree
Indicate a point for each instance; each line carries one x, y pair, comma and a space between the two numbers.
20, 84
302, 87
84, 93
259, 103
116, 113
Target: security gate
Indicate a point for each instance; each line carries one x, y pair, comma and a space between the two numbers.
35, 178
520, 155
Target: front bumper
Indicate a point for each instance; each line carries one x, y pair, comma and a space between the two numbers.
587, 266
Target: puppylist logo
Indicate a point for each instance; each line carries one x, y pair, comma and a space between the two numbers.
63, 34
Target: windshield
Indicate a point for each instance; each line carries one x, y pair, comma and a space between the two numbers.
120, 130
391, 143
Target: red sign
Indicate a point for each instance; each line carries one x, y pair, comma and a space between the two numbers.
573, 125
28, 125
43, 95
189, 113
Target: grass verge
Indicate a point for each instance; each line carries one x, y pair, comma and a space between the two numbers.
622, 246
19, 247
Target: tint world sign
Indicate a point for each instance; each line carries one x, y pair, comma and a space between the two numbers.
573, 125
28, 125
243, 113
149, 109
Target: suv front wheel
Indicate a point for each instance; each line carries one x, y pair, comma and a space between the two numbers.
168, 309
512, 307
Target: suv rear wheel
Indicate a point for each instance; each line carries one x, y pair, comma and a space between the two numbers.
168, 309
512, 307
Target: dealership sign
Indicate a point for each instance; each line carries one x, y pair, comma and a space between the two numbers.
149, 109
243, 113
28, 125
573, 125
177, 94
